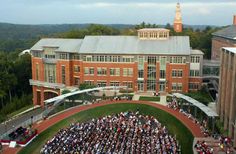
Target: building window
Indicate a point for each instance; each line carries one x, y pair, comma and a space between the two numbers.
128, 72
177, 60
152, 60
50, 56
114, 83
177, 73
128, 84
76, 69
193, 86
37, 71
37, 54
63, 56
50, 73
163, 60
101, 84
76, 80
88, 58
114, 71
177, 86
140, 74
89, 82
195, 59
174, 87
101, 71
63, 74
86, 71
128, 59
89, 71
76, 56
162, 74
151, 74
197, 73
194, 73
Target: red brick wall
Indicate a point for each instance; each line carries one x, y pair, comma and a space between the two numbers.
178, 27
68, 71
184, 79
109, 78
157, 75
217, 44
76, 74
145, 74
42, 91
196, 80
38, 61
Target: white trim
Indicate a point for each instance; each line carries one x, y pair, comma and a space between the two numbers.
47, 90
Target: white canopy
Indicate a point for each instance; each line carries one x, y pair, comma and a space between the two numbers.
208, 111
61, 97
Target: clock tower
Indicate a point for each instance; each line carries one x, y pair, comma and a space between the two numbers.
178, 27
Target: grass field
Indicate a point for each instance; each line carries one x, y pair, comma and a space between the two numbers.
144, 98
174, 126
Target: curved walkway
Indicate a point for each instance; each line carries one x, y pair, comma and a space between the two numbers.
194, 128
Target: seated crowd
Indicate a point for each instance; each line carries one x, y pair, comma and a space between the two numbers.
203, 148
225, 144
173, 104
121, 133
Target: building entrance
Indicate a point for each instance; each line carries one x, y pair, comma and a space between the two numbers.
48, 95
38, 98
140, 86
162, 86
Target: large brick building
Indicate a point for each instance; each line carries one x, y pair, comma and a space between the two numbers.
225, 37
227, 91
151, 61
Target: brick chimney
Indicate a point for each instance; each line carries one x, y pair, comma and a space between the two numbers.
234, 22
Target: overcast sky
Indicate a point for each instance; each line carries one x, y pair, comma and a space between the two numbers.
198, 12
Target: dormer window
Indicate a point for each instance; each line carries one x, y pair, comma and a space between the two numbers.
153, 34
49, 52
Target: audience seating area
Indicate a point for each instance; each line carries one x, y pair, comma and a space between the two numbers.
127, 132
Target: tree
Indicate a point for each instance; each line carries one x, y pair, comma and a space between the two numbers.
2, 95
83, 86
168, 26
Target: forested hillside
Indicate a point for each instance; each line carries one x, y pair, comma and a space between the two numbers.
15, 91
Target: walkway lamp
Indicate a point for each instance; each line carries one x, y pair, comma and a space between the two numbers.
31, 121
5, 124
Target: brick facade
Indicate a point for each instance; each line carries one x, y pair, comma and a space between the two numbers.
217, 44
226, 106
70, 75
178, 27
152, 61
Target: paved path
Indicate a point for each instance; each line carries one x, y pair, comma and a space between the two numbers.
135, 97
163, 99
19, 120
195, 129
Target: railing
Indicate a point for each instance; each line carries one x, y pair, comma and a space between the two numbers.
49, 61
211, 63
46, 84
23, 124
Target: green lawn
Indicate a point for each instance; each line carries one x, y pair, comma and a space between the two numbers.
203, 97
174, 126
144, 98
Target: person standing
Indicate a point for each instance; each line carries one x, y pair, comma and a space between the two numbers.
1, 147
